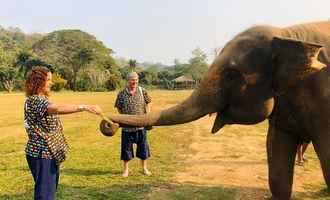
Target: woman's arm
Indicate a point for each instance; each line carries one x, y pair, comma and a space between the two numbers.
71, 108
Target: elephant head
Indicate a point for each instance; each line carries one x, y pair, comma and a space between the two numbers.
240, 84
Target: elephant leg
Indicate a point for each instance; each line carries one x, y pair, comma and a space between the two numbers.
281, 152
321, 146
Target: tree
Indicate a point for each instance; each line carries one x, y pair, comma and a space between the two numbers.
121, 62
7, 58
79, 61
21, 62
164, 75
72, 51
7, 73
132, 64
96, 78
115, 76
14, 40
147, 77
7, 78
25, 62
124, 72
113, 82
179, 68
198, 65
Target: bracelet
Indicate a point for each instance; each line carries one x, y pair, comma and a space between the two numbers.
81, 108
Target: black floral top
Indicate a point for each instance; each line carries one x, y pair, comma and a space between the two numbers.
132, 104
38, 123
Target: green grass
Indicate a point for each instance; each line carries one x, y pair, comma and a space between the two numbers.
93, 169
192, 192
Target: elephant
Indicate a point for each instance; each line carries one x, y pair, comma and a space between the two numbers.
279, 74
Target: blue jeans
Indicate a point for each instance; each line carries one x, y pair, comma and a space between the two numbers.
45, 174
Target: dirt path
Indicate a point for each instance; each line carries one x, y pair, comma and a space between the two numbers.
235, 158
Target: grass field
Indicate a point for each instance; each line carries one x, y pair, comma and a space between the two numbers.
93, 169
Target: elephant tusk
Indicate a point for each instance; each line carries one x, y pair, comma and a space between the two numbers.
218, 123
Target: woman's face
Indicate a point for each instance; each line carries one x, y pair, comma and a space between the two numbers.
48, 84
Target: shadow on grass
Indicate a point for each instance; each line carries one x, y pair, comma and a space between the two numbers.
229, 192
64, 192
191, 191
223, 162
89, 172
164, 191
323, 194
135, 192
82, 172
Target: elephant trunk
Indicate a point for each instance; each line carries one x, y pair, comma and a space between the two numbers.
202, 101
189, 110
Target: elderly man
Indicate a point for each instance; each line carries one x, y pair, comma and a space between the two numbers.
134, 100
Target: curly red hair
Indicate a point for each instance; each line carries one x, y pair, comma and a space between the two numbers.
36, 80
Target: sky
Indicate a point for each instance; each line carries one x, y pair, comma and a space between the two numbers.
159, 30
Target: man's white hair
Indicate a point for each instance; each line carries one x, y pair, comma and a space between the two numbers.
132, 75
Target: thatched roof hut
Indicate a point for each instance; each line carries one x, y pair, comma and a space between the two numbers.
184, 82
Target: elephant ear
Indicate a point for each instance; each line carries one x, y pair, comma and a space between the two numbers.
293, 61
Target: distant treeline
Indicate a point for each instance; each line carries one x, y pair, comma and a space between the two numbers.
80, 62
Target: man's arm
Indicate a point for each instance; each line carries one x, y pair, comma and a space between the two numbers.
147, 100
148, 108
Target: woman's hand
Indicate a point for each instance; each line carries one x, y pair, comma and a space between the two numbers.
95, 109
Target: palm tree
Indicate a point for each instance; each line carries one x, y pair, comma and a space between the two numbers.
21, 62
25, 63
132, 64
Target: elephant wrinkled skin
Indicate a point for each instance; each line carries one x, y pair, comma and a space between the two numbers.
272, 73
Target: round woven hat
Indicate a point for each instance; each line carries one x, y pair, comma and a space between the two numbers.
108, 129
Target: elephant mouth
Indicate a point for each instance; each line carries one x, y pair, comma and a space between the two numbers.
220, 120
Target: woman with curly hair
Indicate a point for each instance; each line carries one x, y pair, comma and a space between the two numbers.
46, 147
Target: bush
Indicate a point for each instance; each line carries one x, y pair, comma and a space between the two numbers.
19, 84
100, 89
112, 83
85, 85
58, 82
7, 78
82, 85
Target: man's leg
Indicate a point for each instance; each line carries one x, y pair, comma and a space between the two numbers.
143, 151
126, 151
145, 167
125, 168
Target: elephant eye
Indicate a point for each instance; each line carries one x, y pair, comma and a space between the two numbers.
231, 75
